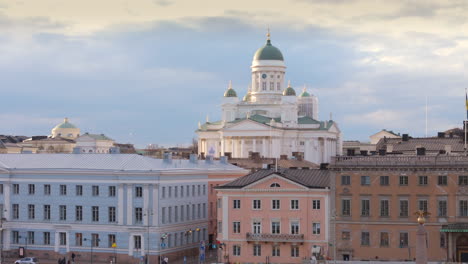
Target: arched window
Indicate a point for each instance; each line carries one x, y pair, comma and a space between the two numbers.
275, 185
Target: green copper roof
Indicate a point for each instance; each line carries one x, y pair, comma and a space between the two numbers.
65, 124
268, 52
230, 93
307, 120
304, 94
289, 91
97, 136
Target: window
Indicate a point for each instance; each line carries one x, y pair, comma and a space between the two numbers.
193, 190
111, 240
295, 227
365, 207
422, 205
257, 250
236, 250
219, 204
345, 180
79, 239
112, 214
275, 204
198, 190
275, 185
236, 227
443, 242
276, 251
46, 237
95, 240
1, 188
163, 194
384, 208
15, 213
15, 188
31, 189
403, 240
79, 213
47, 212
95, 190
15, 235
275, 227
384, 241
403, 180
365, 238
46, 189
95, 213
316, 204
316, 228
463, 207
422, 180
137, 242
204, 210
264, 86
63, 189
257, 227
30, 237
182, 190
236, 204
176, 191
111, 191
257, 205
278, 86
462, 180
294, 251
365, 180
294, 204
31, 211
63, 212
139, 191
79, 190
139, 215
187, 191
220, 227
204, 189
63, 238
442, 180
403, 208
384, 180
442, 210
272, 86
345, 235
346, 207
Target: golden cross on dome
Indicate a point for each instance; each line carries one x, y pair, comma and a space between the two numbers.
268, 33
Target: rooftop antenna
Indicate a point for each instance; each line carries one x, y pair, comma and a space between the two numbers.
426, 115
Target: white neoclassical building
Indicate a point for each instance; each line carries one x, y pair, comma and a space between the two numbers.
271, 119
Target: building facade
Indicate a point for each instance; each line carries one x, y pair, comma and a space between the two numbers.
274, 217
376, 198
55, 204
271, 120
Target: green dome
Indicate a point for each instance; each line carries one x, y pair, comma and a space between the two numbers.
268, 52
289, 91
304, 94
230, 93
65, 124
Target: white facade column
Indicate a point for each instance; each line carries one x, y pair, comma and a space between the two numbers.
155, 202
67, 237
254, 145
7, 239
146, 204
307, 150
120, 204
222, 146
57, 241
7, 205
130, 204
242, 149
264, 151
232, 148
130, 244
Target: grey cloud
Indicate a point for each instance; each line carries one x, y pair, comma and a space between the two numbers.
163, 3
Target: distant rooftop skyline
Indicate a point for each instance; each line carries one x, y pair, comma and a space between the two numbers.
147, 71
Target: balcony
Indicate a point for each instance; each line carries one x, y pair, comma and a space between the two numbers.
263, 237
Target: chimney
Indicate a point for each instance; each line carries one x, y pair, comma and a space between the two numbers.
324, 166
223, 159
440, 134
448, 149
382, 152
389, 148
363, 152
421, 151
167, 157
193, 158
405, 137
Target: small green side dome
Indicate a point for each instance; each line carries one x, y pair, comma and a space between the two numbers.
289, 91
268, 52
230, 93
304, 93
65, 124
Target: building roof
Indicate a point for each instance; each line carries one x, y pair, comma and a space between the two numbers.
431, 144
268, 52
65, 124
105, 162
12, 139
97, 136
252, 163
310, 178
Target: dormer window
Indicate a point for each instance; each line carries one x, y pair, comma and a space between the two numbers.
275, 185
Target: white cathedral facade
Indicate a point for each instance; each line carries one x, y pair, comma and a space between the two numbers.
270, 120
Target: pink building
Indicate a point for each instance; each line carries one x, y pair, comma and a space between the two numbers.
274, 217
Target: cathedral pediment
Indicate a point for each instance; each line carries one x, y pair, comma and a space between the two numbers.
247, 124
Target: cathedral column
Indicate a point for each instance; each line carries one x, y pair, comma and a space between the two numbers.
233, 146
264, 148
242, 148
222, 146
254, 145
307, 150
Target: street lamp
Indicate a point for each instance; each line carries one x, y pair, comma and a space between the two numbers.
148, 213
93, 241
114, 246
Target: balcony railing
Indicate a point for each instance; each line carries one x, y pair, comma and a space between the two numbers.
399, 161
263, 237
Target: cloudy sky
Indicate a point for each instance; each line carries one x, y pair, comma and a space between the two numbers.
147, 71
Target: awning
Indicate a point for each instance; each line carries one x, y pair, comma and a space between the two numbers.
455, 228
315, 249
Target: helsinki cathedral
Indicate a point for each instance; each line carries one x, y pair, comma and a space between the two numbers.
271, 120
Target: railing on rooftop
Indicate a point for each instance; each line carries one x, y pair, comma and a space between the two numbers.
264, 237
399, 161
